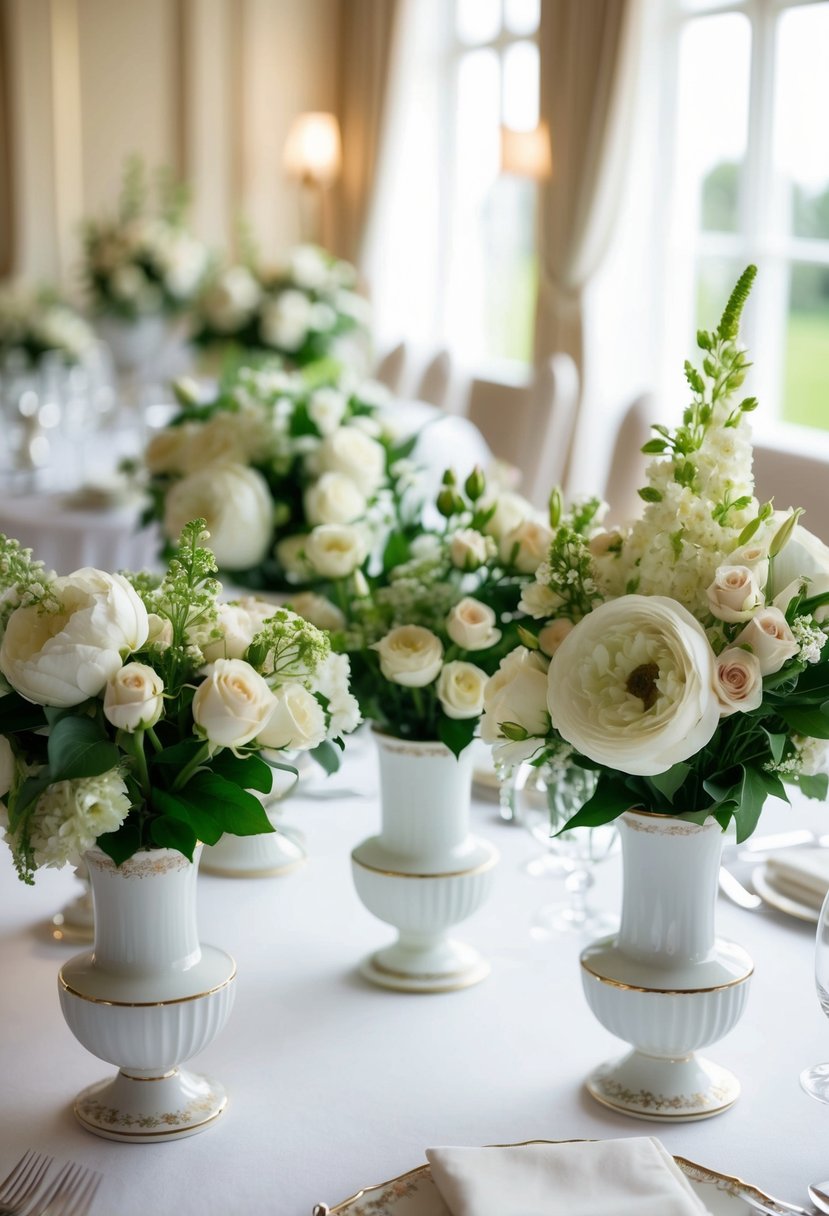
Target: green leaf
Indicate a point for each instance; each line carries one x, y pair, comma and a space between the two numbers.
122, 844
29, 792
326, 756
17, 714
78, 747
668, 783
649, 494
456, 733
200, 821
813, 722
753, 791
747, 532
248, 772
180, 754
777, 744
814, 785
169, 833
654, 446
396, 552
230, 808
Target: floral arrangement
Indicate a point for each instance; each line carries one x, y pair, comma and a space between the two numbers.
140, 712
681, 658
305, 310
38, 322
298, 483
143, 261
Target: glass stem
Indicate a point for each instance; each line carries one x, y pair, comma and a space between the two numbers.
578, 884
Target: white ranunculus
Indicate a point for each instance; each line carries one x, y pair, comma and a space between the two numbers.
335, 550
461, 689
471, 625
232, 704
361, 458
632, 686
236, 503
735, 594
8, 766
469, 549
318, 610
326, 408
552, 635
526, 546
334, 499
803, 556
133, 698
517, 693
61, 658
296, 722
738, 681
239, 623
410, 655
769, 638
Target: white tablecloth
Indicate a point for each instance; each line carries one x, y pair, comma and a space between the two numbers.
335, 1085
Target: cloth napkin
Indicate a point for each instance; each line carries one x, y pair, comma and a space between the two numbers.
631, 1177
802, 874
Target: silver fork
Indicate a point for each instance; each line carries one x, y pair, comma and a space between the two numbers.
71, 1193
22, 1183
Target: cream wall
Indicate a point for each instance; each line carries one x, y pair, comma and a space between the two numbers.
209, 87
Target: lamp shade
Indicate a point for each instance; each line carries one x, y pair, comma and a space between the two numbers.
527, 153
312, 149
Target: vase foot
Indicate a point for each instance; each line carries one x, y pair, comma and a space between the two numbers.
664, 1090
404, 969
139, 1109
267, 856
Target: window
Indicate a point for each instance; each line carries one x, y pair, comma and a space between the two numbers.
751, 183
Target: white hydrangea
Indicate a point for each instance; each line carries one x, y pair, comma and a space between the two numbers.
810, 638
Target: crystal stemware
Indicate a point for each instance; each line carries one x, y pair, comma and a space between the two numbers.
815, 1080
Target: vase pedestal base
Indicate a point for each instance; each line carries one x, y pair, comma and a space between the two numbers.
146, 1109
664, 1090
267, 856
406, 968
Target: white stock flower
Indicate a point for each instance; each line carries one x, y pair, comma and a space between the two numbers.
469, 549
769, 638
133, 698
410, 655
335, 550
61, 658
296, 721
471, 625
334, 499
8, 766
738, 681
526, 546
735, 594
232, 704
318, 610
236, 503
326, 408
631, 687
361, 458
460, 689
553, 634
332, 679
69, 816
239, 623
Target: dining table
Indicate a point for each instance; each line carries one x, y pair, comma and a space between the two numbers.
335, 1085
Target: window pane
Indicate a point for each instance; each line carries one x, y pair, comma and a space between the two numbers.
520, 101
714, 73
477, 21
806, 387
801, 135
522, 16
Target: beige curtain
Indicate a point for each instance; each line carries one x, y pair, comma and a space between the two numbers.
366, 39
589, 61
6, 214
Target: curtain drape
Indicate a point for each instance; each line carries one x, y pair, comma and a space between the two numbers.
6, 213
366, 40
589, 62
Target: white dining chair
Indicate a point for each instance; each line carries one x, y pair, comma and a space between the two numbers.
626, 472
435, 382
391, 368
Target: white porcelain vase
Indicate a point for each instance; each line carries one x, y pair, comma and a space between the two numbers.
268, 854
146, 998
134, 345
424, 872
665, 983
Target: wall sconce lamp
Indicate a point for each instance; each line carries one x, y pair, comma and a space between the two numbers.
527, 153
313, 157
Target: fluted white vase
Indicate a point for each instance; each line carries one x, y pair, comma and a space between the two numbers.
268, 854
146, 998
665, 983
424, 872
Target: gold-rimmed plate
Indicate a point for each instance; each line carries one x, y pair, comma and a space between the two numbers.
775, 898
415, 1194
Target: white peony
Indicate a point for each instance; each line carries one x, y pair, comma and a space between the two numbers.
335, 550
471, 625
223, 439
334, 499
167, 451
410, 655
360, 457
232, 704
735, 594
460, 689
738, 681
236, 503
318, 610
133, 698
296, 721
769, 637
61, 658
632, 686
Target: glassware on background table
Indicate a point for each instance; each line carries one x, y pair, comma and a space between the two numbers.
815, 1080
547, 797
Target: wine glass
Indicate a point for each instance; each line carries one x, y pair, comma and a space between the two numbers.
548, 797
815, 1080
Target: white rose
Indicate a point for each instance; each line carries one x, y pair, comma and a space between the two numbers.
510, 511
232, 704
804, 555
160, 634
133, 698
410, 655
236, 503
290, 553
239, 623
318, 610
735, 594
61, 658
471, 625
296, 722
526, 546
632, 686
769, 637
335, 550
326, 408
351, 452
468, 549
738, 681
8, 766
334, 499
460, 690
517, 693
552, 635
167, 451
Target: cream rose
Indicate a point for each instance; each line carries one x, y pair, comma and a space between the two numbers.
297, 720
735, 594
356, 455
526, 546
552, 635
133, 698
236, 503
632, 686
755, 557
468, 549
61, 658
160, 635
8, 766
410, 655
516, 693
471, 625
318, 610
232, 704
290, 553
335, 550
510, 511
769, 637
239, 623
460, 689
334, 499
738, 681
